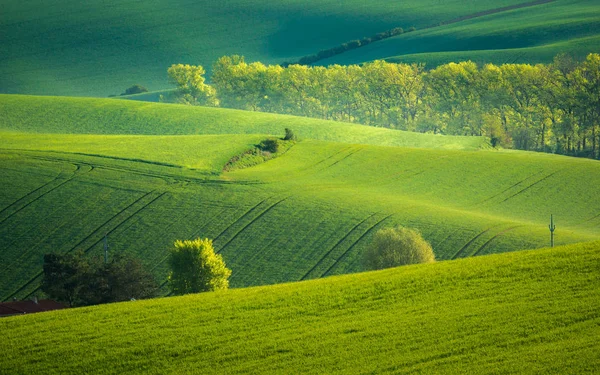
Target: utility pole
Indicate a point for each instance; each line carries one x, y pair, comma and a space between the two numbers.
106, 248
552, 227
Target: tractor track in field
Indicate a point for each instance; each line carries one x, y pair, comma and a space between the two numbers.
345, 254
330, 157
506, 190
335, 246
358, 149
241, 217
100, 231
493, 238
532, 185
221, 248
56, 183
464, 248
166, 177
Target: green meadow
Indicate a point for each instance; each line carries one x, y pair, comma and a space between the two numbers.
97, 49
526, 35
147, 174
526, 312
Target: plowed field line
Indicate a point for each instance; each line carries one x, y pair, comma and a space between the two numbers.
354, 244
17, 210
240, 218
250, 223
334, 246
462, 249
505, 190
95, 232
344, 158
493, 238
532, 185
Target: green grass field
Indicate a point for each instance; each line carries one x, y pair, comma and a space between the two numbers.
306, 214
527, 35
95, 49
527, 312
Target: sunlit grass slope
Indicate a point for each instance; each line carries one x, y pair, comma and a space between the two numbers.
306, 214
94, 48
33, 114
527, 312
526, 35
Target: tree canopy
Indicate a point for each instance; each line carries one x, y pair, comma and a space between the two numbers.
552, 108
196, 268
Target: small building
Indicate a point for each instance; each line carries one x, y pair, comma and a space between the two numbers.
29, 307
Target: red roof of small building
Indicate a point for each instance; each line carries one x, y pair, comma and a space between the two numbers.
29, 307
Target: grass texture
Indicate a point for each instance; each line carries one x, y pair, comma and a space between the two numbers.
526, 312
99, 49
306, 214
527, 35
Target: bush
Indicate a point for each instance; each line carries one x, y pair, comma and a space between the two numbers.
196, 268
289, 135
398, 246
135, 89
269, 145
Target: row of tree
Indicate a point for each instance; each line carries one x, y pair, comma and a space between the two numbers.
549, 107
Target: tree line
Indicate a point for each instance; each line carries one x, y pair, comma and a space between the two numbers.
546, 107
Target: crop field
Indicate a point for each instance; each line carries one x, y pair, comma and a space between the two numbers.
526, 312
99, 49
526, 35
31, 114
306, 214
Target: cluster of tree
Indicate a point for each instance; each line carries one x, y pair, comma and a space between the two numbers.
78, 280
353, 44
82, 281
553, 107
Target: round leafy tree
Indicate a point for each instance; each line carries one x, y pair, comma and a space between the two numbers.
196, 268
398, 246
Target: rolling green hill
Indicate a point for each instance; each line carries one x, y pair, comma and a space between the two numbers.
98, 49
526, 35
306, 214
523, 312
31, 114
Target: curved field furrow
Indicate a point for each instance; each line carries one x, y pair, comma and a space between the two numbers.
220, 248
34, 196
479, 251
239, 219
532, 185
328, 253
345, 254
461, 253
507, 189
105, 229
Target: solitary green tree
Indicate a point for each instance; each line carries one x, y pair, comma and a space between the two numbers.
196, 268
398, 246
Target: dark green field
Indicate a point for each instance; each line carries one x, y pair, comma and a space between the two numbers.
533, 34
529, 312
306, 214
97, 49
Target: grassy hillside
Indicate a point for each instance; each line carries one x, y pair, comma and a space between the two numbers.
95, 49
307, 214
525, 35
32, 114
524, 312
